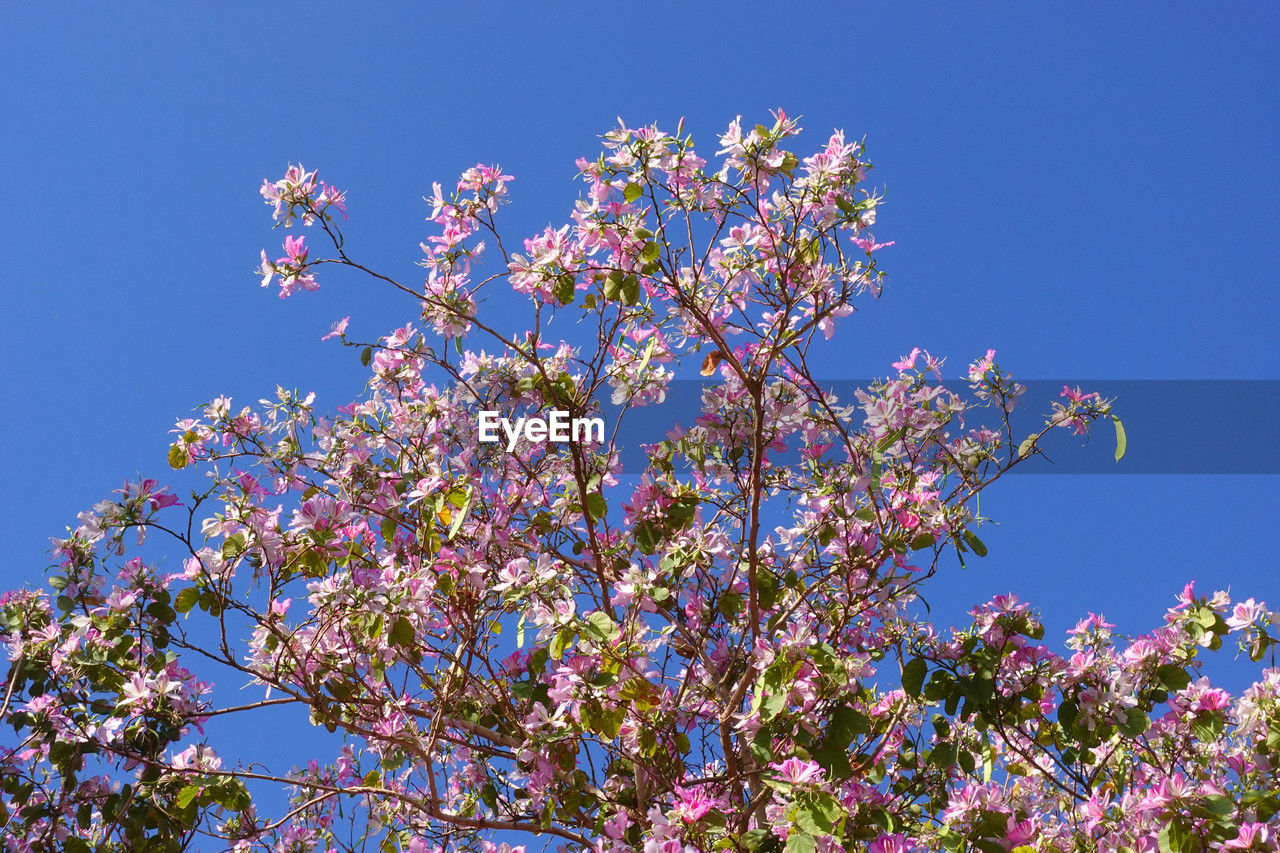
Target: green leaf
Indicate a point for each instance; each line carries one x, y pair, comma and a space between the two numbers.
1219, 804
366, 356
812, 821
596, 505
1172, 676
800, 842
177, 458
1175, 838
1067, 713
913, 676
461, 515
402, 632
186, 599
187, 794
729, 604
1135, 722
975, 543
924, 540
877, 469
650, 252
1121, 442
612, 284
608, 723
682, 510
632, 192
773, 704
602, 626
560, 642
846, 724
489, 795
647, 535
564, 288
630, 290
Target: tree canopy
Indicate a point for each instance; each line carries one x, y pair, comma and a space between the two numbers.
525, 640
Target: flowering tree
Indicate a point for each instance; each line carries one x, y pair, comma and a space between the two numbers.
720, 651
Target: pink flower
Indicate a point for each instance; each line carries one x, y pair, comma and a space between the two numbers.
896, 843
339, 329
267, 270
692, 805
1246, 613
799, 772
1187, 597
1250, 834
196, 757
870, 246
294, 249
1075, 395
907, 362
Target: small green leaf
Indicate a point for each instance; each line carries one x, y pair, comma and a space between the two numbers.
177, 458
366, 356
729, 604
596, 505
460, 516
564, 288
813, 821
187, 794
913, 676
402, 633
924, 540
630, 290
800, 842
1219, 804
632, 192
1067, 713
1121, 442
560, 642
975, 543
647, 535
612, 286
602, 626
1172, 676
1135, 722
186, 599
943, 756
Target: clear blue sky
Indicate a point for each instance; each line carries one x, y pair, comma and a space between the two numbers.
1089, 188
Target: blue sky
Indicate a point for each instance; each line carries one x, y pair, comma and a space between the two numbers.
1090, 189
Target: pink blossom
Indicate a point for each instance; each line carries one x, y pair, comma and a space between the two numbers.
339, 329
799, 772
